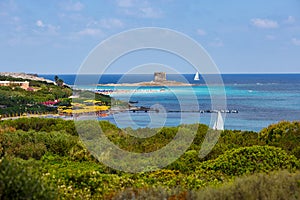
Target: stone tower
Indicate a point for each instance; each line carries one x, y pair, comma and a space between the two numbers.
160, 76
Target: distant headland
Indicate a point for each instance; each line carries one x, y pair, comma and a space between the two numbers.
160, 79
26, 76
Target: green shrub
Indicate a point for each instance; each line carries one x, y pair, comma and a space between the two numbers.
77, 180
33, 144
149, 193
29, 150
19, 183
275, 186
202, 178
125, 139
58, 143
187, 163
163, 177
107, 126
275, 132
283, 134
230, 139
41, 124
79, 153
246, 160
64, 161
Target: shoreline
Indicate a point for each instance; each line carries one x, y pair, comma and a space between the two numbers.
52, 116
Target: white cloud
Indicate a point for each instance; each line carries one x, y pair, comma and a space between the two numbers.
264, 23
70, 6
144, 12
139, 8
290, 20
149, 12
201, 32
110, 23
217, 42
46, 28
39, 23
296, 41
90, 32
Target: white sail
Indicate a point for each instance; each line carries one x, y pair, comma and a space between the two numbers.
196, 78
219, 123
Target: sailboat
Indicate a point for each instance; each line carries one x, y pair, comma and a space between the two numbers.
196, 77
219, 123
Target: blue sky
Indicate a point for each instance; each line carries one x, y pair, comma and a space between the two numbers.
240, 36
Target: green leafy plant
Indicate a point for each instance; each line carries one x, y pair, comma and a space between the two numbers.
247, 160
19, 183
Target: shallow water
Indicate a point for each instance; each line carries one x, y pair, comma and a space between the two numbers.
260, 99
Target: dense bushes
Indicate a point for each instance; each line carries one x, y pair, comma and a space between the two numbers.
284, 134
19, 183
275, 132
278, 185
33, 144
41, 124
54, 149
246, 160
150, 193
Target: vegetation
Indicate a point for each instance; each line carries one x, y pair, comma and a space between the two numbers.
15, 101
276, 185
58, 81
242, 165
17, 183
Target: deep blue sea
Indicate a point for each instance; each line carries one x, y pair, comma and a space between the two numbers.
261, 99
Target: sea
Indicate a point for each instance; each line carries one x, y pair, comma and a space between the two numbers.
252, 101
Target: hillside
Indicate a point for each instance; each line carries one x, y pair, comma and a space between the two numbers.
48, 154
16, 101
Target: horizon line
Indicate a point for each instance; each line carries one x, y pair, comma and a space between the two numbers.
250, 73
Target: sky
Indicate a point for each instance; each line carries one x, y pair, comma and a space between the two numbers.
240, 36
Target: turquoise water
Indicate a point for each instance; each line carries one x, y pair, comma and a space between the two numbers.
257, 109
260, 99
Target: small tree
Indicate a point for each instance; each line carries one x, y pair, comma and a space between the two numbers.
60, 82
55, 78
